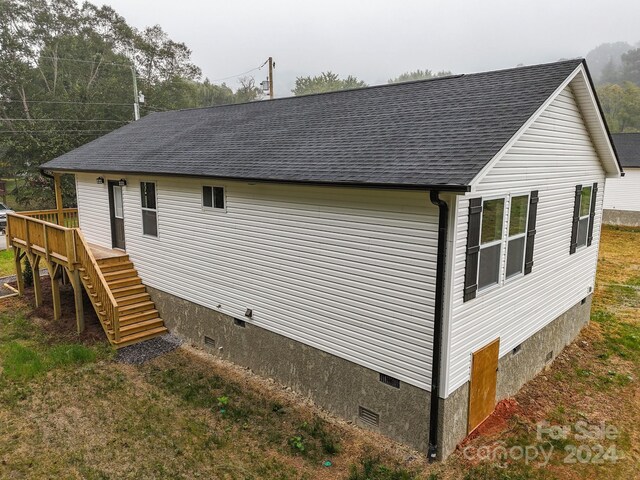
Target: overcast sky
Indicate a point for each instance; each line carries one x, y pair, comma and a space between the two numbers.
378, 39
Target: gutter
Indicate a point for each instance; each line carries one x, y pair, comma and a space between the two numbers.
459, 188
438, 320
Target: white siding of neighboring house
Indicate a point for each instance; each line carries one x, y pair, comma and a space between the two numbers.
624, 193
348, 271
552, 156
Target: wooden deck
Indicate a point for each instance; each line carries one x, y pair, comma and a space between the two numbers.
102, 253
117, 294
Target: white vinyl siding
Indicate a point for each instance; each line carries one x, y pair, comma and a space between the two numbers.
624, 193
93, 209
348, 271
552, 156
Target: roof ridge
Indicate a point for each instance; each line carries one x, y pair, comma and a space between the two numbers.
576, 60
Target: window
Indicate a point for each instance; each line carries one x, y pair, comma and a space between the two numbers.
500, 240
490, 242
117, 202
583, 221
518, 213
213, 197
584, 212
149, 208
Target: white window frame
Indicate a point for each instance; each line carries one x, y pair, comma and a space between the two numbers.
488, 288
504, 241
526, 229
587, 217
155, 190
213, 209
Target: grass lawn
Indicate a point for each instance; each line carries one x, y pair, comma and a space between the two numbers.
7, 266
69, 410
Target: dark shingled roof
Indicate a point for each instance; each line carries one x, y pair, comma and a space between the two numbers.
628, 148
439, 132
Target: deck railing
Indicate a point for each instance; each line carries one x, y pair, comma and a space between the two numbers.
66, 246
67, 217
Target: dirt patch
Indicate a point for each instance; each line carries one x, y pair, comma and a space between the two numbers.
64, 329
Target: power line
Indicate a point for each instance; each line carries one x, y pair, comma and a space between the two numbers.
128, 65
60, 120
73, 103
239, 74
51, 132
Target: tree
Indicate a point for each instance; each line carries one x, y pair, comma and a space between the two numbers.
631, 66
247, 92
325, 82
621, 106
66, 78
605, 58
419, 75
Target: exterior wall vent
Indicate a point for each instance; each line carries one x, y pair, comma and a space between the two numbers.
239, 323
209, 342
516, 349
368, 417
386, 379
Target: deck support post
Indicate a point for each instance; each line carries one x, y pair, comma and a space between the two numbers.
34, 260
53, 269
58, 188
74, 276
17, 257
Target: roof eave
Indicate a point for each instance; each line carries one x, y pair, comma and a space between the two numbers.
452, 188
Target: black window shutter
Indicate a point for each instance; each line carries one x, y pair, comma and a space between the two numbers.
592, 213
531, 232
576, 218
473, 249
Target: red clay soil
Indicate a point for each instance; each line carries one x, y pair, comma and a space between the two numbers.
497, 422
65, 327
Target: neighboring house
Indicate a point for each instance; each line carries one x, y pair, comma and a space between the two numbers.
622, 195
370, 248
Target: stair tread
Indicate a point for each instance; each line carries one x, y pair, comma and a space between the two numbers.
121, 281
139, 336
132, 317
128, 288
116, 267
139, 325
128, 271
133, 306
136, 296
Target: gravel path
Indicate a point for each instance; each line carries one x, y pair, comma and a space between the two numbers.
143, 352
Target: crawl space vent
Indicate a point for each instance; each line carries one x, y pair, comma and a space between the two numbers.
368, 417
549, 356
386, 379
209, 342
239, 323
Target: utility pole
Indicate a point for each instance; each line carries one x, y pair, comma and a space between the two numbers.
271, 65
136, 105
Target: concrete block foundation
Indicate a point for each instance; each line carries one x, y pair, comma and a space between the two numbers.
344, 388
335, 384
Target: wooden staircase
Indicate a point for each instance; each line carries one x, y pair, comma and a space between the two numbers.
138, 319
117, 293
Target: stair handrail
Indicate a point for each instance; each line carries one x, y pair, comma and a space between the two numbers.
85, 257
